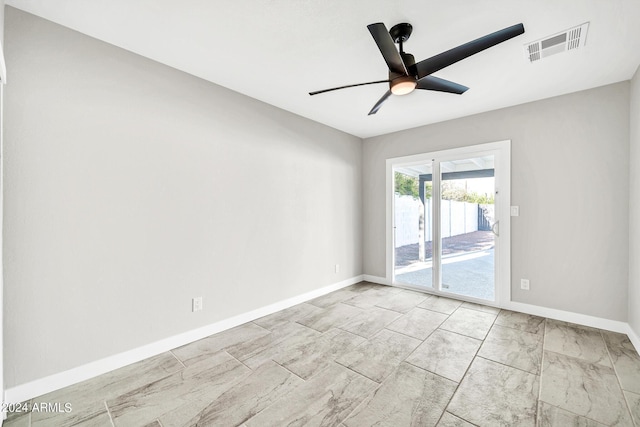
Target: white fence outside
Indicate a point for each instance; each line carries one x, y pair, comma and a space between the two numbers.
457, 218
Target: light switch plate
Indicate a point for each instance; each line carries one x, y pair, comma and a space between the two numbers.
515, 210
196, 304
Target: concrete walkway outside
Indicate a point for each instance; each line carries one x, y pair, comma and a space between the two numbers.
470, 274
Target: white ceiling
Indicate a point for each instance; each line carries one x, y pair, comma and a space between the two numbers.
279, 50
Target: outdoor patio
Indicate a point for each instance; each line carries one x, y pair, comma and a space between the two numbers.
467, 265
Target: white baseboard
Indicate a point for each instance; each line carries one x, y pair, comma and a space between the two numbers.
568, 316
72, 376
551, 313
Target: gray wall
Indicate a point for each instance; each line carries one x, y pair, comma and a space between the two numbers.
2, 21
634, 207
570, 177
132, 187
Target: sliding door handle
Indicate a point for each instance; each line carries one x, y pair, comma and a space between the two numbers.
493, 228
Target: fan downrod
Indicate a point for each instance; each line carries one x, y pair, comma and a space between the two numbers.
400, 33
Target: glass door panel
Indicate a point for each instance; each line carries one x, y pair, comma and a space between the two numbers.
467, 216
413, 225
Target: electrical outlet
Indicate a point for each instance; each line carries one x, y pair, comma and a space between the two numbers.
524, 284
337, 268
196, 304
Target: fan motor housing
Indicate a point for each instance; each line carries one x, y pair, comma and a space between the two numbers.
401, 32
408, 59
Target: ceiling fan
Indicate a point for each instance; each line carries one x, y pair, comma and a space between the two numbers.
405, 74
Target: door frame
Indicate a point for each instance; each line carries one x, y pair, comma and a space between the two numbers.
502, 254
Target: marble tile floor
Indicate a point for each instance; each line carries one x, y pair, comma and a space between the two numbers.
370, 355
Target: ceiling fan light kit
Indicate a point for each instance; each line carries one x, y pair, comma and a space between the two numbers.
403, 85
405, 75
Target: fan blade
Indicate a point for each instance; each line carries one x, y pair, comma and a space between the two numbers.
387, 48
380, 102
440, 85
444, 59
344, 87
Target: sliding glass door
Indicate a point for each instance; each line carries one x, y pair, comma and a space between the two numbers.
446, 209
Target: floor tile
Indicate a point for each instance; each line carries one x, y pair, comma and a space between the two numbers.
587, 389
626, 361
409, 397
514, 348
440, 304
495, 394
418, 323
324, 400
576, 341
20, 416
255, 352
252, 394
481, 307
86, 407
552, 416
521, 321
101, 419
206, 379
403, 301
313, 356
372, 297
445, 353
17, 421
449, 420
614, 339
365, 286
471, 323
206, 347
155, 423
336, 297
379, 356
627, 365
291, 314
633, 401
331, 317
371, 321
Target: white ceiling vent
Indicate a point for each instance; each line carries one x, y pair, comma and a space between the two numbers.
571, 39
